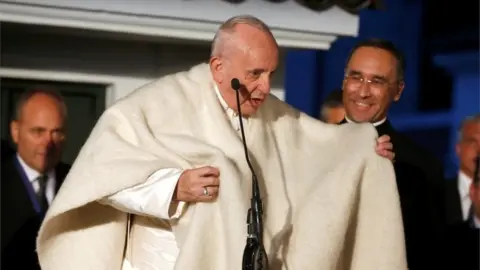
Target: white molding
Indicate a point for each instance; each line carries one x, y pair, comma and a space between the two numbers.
292, 25
117, 86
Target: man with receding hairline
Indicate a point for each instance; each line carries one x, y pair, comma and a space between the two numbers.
374, 80
145, 192
32, 177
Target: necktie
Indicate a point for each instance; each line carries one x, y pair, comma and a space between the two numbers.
471, 213
42, 198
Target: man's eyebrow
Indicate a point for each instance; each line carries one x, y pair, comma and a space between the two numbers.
257, 70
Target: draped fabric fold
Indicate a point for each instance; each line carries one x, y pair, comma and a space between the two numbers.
330, 201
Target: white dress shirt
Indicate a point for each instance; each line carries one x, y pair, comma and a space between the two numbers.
32, 176
464, 183
374, 124
153, 198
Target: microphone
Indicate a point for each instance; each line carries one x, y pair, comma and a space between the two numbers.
254, 255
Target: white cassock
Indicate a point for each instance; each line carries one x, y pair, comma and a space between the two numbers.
154, 200
330, 201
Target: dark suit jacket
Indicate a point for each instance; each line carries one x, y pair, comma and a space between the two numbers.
461, 247
420, 180
6, 149
20, 221
453, 205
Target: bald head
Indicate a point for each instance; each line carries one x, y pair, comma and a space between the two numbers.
236, 32
245, 49
47, 96
38, 129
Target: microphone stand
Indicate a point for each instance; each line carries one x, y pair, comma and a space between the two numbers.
254, 255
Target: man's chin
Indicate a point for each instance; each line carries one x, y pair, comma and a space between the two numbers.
361, 119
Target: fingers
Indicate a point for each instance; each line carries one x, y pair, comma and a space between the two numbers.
207, 194
198, 185
207, 171
386, 154
385, 146
383, 138
209, 181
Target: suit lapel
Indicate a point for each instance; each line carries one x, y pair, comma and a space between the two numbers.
453, 207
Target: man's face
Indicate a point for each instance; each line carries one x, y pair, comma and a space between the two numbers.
370, 84
253, 63
39, 132
335, 115
468, 147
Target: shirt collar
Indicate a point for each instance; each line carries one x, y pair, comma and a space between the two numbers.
31, 173
229, 111
476, 222
464, 183
374, 124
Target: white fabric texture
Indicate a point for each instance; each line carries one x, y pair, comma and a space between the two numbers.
330, 201
153, 198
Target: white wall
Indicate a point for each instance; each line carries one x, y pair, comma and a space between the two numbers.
121, 62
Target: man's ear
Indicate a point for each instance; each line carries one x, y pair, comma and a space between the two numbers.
216, 67
14, 126
399, 91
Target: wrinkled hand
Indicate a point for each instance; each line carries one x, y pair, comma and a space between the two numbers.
191, 184
384, 147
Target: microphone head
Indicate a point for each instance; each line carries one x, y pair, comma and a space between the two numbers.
235, 83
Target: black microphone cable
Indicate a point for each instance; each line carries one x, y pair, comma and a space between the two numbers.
254, 256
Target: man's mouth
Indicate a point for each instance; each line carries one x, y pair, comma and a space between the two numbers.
363, 105
256, 101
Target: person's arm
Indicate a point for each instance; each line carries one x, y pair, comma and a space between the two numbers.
151, 198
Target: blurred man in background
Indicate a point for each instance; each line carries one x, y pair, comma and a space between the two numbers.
463, 202
458, 202
31, 176
332, 111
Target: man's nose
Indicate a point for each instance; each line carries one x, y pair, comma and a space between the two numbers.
265, 84
365, 89
47, 139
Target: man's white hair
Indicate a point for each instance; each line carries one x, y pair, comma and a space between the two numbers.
225, 33
471, 119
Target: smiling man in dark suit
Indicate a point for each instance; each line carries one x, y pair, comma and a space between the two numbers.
31, 176
373, 81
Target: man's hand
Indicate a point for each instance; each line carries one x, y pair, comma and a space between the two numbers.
198, 185
384, 147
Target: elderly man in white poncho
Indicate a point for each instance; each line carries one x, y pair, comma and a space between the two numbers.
169, 156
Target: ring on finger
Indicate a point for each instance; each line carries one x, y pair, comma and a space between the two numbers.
205, 192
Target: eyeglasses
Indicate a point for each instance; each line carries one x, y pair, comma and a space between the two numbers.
357, 81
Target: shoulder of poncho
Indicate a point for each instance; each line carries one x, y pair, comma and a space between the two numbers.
169, 92
360, 136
